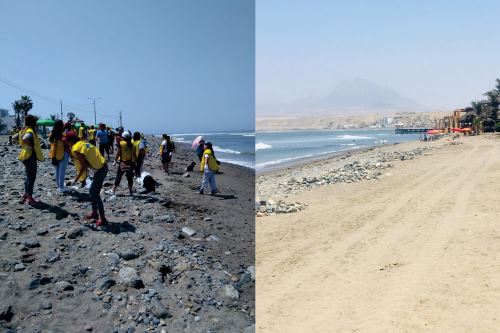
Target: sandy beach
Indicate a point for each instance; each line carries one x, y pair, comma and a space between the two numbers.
144, 272
413, 250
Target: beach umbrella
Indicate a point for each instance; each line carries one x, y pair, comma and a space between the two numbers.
196, 141
433, 131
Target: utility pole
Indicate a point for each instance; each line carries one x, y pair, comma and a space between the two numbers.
121, 124
61, 112
95, 114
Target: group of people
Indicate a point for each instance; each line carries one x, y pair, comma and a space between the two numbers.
87, 149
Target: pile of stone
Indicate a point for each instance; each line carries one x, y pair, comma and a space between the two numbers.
267, 207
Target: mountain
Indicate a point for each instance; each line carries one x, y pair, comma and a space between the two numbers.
353, 96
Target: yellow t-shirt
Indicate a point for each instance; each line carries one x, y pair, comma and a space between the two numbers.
80, 132
91, 153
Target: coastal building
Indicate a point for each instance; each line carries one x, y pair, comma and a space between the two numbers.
448, 123
8, 120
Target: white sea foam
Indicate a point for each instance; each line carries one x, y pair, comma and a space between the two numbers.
248, 164
261, 145
354, 137
226, 150
295, 158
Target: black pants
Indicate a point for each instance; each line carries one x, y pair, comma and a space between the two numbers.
30, 166
129, 173
95, 189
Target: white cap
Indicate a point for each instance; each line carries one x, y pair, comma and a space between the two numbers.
126, 134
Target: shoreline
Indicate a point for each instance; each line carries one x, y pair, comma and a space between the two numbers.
304, 161
272, 184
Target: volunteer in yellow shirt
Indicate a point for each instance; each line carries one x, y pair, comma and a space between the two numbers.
209, 166
127, 157
140, 150
92, 135
59, 155
30, 153
88, 157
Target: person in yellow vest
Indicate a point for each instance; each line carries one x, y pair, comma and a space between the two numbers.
92, 135
88, 156
140, 150
59, 155
209, 166
127, 157
81, 132
30, 153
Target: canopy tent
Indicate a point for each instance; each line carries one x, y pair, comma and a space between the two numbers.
45, 122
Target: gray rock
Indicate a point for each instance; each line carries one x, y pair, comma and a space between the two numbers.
129, 254
19, 267
229, 292
52, 256
107, 283
31, 243
115, 259
188, 231
127, 276
158, 309
165, 218
64, 286
75, 232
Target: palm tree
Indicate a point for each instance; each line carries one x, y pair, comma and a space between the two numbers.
27, 104
17, 111
22, 107
71, 116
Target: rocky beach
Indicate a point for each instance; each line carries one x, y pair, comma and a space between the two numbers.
169, 261
399, 238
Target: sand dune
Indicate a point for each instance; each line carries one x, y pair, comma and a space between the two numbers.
416, 251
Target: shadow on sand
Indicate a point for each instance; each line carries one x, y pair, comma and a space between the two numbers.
113, 227
58, 211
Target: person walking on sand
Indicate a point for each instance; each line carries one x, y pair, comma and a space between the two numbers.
209, 166
127, 158
88, 156
164, 152
200, 149
59, 155
31, 153
140, 150
102, 138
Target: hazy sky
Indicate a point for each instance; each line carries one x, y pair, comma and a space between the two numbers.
171, 66
442, 54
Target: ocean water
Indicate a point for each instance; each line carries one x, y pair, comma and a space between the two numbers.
231, 147
274, 149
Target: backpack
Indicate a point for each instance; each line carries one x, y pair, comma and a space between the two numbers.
149, 184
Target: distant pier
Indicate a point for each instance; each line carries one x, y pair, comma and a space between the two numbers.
411, 130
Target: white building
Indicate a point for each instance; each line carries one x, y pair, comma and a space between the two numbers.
8, 120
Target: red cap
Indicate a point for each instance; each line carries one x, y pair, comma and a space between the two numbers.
69, 135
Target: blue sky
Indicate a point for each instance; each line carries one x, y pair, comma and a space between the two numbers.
443, 54
171, 66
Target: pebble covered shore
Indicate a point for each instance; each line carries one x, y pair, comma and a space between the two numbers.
272, 189
169, 261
